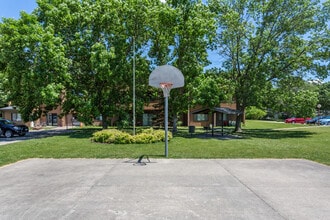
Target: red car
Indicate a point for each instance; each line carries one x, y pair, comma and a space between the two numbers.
295, 120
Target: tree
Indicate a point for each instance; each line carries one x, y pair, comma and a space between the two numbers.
181, 39
3, 96
98, 37
324, 96
293, 97
255, 113
209, 89
264, 42
301, 103
36, 69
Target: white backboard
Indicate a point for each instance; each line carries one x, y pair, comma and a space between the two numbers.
166, 74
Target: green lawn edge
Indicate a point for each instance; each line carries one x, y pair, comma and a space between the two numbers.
259, 140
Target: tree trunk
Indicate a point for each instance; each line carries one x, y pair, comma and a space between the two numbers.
175, 123
239, 118
104, 121
238, 125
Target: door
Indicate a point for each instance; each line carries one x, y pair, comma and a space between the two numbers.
52, 119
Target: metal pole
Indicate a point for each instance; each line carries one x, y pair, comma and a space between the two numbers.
166, 126
134, 119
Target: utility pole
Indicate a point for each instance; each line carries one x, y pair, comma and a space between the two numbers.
134, 119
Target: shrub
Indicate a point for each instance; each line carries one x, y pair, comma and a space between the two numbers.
114, 136
254, 113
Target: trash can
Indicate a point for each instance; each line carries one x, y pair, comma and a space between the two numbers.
191, 129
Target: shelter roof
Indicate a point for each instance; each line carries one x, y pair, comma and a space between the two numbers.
9, 108
223, 110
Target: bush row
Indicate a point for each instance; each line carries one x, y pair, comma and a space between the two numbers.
114, 136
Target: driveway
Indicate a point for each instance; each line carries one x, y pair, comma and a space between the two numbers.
165, 189
34, 134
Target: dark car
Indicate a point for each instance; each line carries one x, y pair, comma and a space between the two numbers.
8, 128
314, 120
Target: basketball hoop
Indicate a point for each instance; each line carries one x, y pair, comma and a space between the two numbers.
166, 77
166, 87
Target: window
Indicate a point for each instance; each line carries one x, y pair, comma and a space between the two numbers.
16, 117
201, 117
147, 119
99, 118
52, 119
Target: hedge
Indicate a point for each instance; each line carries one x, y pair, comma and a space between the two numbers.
114, 136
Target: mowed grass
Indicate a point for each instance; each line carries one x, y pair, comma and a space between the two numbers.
260, 139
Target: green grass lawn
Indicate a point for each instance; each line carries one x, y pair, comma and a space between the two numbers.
260, 139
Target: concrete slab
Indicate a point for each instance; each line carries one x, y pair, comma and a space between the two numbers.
164, 189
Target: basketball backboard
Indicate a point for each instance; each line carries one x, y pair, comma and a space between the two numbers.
166, 74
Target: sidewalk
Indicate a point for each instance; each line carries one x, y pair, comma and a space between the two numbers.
33, 134
164, 189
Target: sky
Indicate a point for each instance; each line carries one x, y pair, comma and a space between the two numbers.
12, 8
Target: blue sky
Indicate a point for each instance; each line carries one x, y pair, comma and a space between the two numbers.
12, 8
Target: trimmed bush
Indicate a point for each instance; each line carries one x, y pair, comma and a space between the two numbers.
255, 113
114, 136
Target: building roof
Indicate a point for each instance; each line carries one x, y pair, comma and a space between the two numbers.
223, 110
9, 108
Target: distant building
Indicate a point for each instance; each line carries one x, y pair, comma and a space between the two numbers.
153, 115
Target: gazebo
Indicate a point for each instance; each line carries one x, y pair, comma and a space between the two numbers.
221, 110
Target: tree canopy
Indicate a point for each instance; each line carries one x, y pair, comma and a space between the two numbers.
324, 96
265, 42
79, 54
35, 65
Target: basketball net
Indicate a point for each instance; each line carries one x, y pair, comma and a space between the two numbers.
166, 87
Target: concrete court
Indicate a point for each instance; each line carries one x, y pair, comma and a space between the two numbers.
165, 189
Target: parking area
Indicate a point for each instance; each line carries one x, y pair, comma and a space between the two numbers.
35, 134
164, 189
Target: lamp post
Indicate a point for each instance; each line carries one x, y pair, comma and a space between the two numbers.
318, 112
318, 109
134, 118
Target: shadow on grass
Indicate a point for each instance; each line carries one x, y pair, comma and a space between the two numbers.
227, 135
202, 134
275, 134
246, 134
81, 132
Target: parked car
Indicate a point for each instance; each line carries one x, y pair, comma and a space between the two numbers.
9, 129
325, 120
314, 120
294, 120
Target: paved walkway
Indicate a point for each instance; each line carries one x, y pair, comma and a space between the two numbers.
164, 189
33, 134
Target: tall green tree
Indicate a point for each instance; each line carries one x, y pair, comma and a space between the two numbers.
181, 39
3, 96
98, 40
324, 96
292, 96
209, 89
263, 42
36, 68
